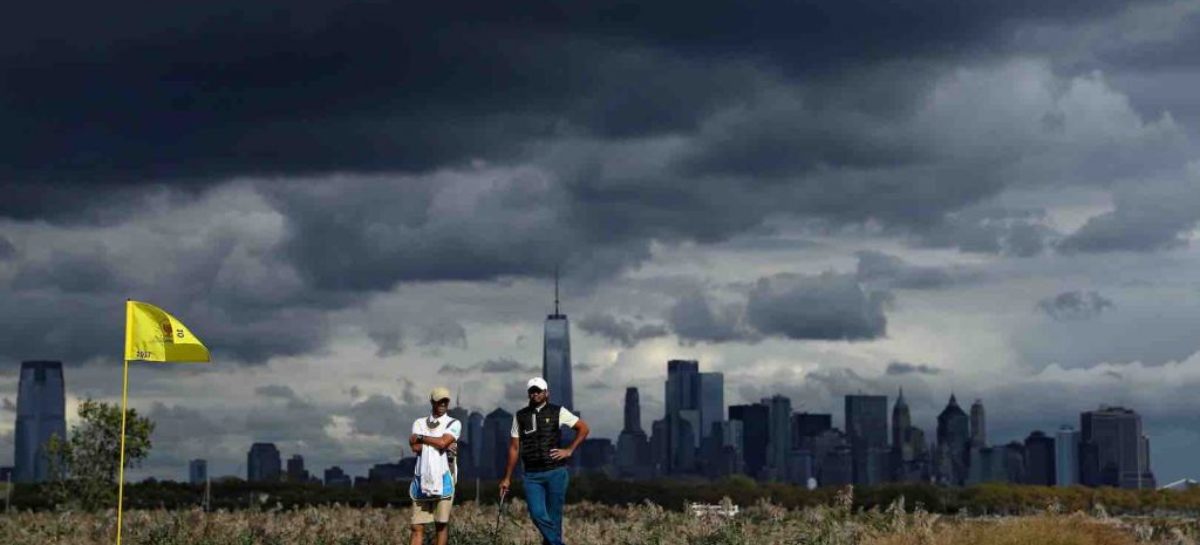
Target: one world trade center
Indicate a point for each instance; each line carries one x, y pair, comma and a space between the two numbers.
556, 356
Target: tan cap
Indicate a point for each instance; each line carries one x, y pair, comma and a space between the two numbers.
439, 393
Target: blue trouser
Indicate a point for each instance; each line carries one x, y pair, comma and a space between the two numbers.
545, 493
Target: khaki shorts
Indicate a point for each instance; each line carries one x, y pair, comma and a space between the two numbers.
425, 512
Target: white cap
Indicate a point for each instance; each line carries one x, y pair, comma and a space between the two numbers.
537, 382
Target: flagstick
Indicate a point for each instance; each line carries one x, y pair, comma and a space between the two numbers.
121, 469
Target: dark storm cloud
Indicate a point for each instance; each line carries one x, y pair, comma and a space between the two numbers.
281, 89
902, 368
828, 306
382, 415
624, 332
991, 230
496, 366
695, 318
443, 333
889, 270
276, 390
86, 271
825, 307
388, 341
1074, 305
1146, 218
403, 144
7, 249
280, 391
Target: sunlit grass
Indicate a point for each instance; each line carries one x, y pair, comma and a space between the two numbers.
593, 524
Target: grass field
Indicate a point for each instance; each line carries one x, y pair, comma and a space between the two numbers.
592, 524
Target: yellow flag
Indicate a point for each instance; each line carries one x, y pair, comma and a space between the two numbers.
153, 335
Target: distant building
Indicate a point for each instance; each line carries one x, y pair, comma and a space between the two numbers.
866, 418
809, 425
1039, 460
836, 467
978, 424
475, 440
295, 469
694, 402
711, 401
197, 471
755, 435
909, 457
335, 477
1014, 462
6, 474
464, 460
953, 441
633, 447
867, 431
41, 414
682, 386
497, 427
682, 416
556, 356
658, 446
597, 456
263, 463
800, 467
392, 473
1122, 452
722, 450
1066, 458
779, 436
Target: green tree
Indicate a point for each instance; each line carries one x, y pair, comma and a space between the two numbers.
86, 465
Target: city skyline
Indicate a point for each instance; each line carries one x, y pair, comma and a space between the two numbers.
353, 204
789, 443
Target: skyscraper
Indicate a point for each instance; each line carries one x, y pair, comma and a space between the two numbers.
633, 447
497, 427
41, 414
867, 430
295, 469
1122, 452
683, 385
683, 415
901, 420
556, 356
474, 429
808, 425
334, 476
755, 435
779, 434
197, 471
866, 419
633, 411
953, 440
1039, 459
978, 424
1066, 459
263, 463
908, 452
711, 402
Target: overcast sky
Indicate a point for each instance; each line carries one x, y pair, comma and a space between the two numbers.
351, 204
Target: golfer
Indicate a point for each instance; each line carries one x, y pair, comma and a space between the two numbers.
432, 438
536, 435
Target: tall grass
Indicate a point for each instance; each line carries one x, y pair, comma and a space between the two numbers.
764, 523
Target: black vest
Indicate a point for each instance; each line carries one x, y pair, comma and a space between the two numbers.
539, 432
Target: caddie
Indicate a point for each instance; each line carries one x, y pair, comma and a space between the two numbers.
433, 440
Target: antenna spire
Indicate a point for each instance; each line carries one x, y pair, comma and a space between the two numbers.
556, 290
